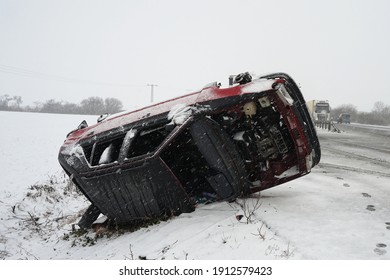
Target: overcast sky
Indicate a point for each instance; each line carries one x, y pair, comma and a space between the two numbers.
73, 49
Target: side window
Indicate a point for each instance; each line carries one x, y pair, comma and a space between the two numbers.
135, 142
147, 141
106, 152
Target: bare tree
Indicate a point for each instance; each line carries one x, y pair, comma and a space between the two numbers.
345, 108
112, 105
380, 115
93, 106
52, 106
4, 99
18, 101
10, 103
379, 107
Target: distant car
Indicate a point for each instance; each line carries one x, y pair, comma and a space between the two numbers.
221, 143
344, 118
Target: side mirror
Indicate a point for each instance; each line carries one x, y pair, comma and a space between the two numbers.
82, 125
102, 117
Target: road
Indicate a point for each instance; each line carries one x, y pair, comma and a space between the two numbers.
341, 210
359, 147
366, 128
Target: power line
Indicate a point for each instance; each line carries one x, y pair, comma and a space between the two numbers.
24, 72
40, 75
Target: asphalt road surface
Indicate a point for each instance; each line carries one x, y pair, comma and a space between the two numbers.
358, 147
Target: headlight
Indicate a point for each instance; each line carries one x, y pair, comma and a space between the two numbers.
284, 95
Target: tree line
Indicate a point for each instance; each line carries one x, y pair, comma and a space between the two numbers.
379, 115
89, 106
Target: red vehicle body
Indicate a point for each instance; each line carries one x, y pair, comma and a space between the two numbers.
223, 142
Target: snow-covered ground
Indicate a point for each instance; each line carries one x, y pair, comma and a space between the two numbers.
340, 211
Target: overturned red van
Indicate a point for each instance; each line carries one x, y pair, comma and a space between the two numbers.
218, 142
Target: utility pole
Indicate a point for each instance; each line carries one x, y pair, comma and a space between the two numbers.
151, 92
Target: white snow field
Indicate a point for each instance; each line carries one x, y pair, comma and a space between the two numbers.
340, 211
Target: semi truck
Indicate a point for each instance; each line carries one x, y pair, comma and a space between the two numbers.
319, 111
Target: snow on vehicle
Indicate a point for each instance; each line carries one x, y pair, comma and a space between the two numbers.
218, 142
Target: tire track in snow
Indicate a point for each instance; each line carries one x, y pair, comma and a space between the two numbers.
355, 155
354, 169
351, 144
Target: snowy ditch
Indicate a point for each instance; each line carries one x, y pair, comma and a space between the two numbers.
332, 213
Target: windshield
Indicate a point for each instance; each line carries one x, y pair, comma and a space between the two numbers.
322, 108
